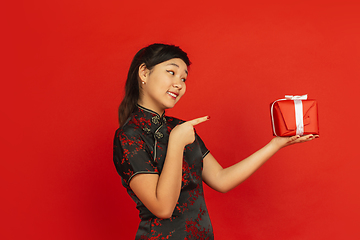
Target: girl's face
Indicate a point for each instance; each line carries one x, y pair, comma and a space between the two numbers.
163, 86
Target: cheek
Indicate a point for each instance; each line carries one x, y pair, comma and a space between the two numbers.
183, 90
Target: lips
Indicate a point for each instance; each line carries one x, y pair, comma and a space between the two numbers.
172, 94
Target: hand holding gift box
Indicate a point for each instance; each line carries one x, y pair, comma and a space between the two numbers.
294, 115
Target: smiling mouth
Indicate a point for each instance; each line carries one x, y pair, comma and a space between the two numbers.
172, 94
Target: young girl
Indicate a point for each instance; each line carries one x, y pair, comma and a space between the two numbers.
161, 160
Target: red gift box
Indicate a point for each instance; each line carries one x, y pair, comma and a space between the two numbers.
294, 115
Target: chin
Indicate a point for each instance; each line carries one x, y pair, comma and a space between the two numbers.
168, 106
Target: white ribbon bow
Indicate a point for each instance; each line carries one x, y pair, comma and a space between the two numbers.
298, 112
291, 97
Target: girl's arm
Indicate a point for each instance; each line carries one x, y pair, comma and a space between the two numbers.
160, 193
223, 180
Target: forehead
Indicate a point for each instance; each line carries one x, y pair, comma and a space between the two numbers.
176, 62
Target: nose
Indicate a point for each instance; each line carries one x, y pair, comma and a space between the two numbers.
178, 84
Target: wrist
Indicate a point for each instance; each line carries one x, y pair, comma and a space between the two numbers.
174, 143
275, 144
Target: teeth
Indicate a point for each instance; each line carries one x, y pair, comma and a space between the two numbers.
171, 94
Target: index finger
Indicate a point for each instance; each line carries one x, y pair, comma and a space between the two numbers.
196, 121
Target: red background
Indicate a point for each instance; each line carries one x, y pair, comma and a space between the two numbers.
64, 68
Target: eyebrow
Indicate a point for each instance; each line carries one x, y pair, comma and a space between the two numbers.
174, 64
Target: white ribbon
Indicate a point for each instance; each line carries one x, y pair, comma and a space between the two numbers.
291, 97
299, 116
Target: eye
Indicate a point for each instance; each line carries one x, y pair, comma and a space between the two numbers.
171, 72
183, 79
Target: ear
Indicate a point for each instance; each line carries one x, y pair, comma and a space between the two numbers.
143, 73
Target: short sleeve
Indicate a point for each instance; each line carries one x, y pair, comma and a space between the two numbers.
204, 150
131, 156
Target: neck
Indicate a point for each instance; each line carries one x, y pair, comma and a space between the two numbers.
154, 109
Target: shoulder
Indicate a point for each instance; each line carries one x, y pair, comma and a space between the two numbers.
130, 130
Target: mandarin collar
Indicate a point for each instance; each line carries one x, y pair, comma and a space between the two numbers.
149, 120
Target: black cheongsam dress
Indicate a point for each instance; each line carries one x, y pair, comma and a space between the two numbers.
140, 147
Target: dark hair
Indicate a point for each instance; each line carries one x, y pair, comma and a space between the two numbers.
150, 56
